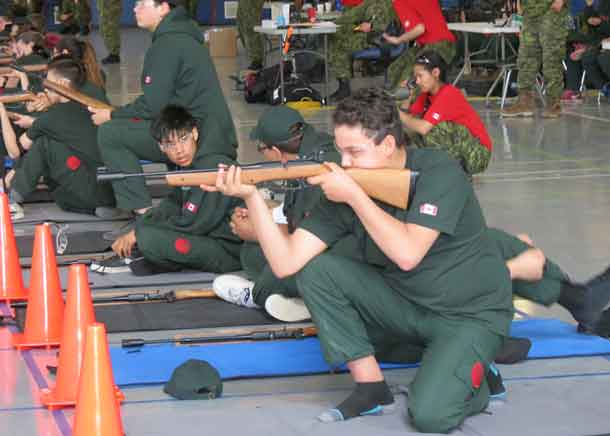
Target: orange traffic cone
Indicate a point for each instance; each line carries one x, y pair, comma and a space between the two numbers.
45, 304
77, 317
97, 408
11, 280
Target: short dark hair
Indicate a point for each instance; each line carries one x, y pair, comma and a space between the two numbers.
172, 119
69, 68
375, 112
171, 3
430, 60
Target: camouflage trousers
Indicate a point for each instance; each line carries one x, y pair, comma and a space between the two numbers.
110, 22
79, 8
248, 16
402, 68
456, 140
542, 43
341, 45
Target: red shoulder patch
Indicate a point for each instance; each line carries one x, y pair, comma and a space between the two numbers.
182, 246
73, 163
476, 374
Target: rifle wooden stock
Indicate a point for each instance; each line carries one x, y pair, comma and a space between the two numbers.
390, 186
28, 68
7, 60
75, 95
16, 98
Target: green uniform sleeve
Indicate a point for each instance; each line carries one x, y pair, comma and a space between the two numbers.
329, 221
43, 125
159, 77
440, 196
169, 206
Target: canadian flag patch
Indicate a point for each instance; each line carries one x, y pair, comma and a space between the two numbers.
191, 207
148, 80
428, 209
436, 116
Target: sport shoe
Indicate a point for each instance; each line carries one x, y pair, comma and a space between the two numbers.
235, 289
570, 96
113, 265
497, 391
287, 309
111, 59
17, 211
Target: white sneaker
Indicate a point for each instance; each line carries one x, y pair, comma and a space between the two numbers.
235, 289
287, 309
17, 211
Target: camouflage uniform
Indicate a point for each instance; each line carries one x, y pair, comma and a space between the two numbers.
542, 41
79, 9
402, 68
343, 43
456, 140
248, 16
110, 20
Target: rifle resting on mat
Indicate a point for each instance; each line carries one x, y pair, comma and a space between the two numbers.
138, 297
391, 186
269, 335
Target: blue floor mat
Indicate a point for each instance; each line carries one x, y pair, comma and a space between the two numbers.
154, 364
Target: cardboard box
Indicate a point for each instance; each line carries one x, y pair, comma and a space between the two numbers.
222, 41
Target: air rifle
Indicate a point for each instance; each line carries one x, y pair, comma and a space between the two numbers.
390, 186
263, 335
36, 68
17, 98
70, 93
139, 297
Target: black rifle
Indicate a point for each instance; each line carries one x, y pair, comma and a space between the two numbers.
270, 335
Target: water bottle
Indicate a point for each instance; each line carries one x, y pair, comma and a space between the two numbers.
338, 5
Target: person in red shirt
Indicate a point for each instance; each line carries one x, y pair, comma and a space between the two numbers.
424, 23
441, 117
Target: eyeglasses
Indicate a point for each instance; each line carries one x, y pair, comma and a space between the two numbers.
182, 140
141, 3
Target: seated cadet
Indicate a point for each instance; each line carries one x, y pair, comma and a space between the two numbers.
361, 24
425, 24
30, 49
62, 144
282, 135
189, 228
430, 276
441, 117
177, 70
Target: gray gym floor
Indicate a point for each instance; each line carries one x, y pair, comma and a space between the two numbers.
548, 178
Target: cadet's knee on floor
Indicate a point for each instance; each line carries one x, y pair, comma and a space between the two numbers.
427, 417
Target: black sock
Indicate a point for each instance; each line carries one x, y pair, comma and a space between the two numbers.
366, 397
576, 298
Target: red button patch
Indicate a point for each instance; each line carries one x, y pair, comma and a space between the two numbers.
183, 246
476, 375
73, 163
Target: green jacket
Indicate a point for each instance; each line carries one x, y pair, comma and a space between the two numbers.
178, 70
377, 12
601, 10
194, 211
298, 204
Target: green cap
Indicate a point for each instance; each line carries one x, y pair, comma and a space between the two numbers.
274, 126
194, 380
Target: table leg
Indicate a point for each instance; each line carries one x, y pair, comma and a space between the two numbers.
282, 69
467, 62
325, 100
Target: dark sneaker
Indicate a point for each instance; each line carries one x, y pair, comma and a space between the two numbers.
255, 66
514, 350
142, 267
113, 265
599, 295
111, 59
497, 391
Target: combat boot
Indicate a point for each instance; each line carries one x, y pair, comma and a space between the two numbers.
524, 107
553, 110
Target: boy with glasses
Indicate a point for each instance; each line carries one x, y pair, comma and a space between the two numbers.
177, 70
190, 228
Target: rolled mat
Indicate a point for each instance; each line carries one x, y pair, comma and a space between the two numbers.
154, 364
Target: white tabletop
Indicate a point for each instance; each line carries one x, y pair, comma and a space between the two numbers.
486, 28
319, 29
